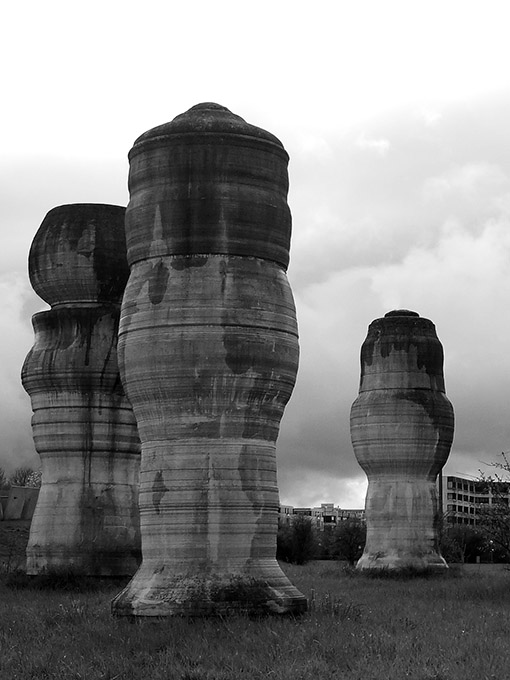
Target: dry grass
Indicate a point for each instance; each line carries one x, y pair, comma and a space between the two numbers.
13, 541
358, 628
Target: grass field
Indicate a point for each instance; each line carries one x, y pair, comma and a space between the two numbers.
13, 541
443, 628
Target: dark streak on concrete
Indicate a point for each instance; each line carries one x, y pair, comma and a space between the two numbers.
95, 231
403, 333
439, 410
158, 281
158, 490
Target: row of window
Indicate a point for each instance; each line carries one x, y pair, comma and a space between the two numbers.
476, 487
461, 520
452, 496
480, 501
452, 507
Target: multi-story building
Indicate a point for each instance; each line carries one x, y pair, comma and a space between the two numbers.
323, 517
285, 514
460, 502
462, 499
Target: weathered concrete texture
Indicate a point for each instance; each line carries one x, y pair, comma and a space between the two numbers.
86, 518
208, 351
79, 255
402, 430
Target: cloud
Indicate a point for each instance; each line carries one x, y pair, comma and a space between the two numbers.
17, 446
356, 211
315, 146
430, 116
380, 146
433, 235
31, 188
319, 488
467, 180
462, 284
424, 225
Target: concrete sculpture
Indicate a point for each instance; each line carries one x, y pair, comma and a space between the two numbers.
86, 518
402, 430
208, 351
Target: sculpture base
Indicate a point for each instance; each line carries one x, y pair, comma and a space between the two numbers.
103, 564
152, 592
395, 563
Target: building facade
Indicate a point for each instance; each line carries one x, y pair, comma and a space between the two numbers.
323, 517
463, 499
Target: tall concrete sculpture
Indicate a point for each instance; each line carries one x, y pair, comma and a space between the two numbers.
86, 518
402, 430
208, 351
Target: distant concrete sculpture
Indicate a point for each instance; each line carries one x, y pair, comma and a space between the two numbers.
86, 518
208, 351
402, 430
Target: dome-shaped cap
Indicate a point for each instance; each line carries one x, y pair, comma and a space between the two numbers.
78, 255
207, 118
208, 183
401, 312
402, 350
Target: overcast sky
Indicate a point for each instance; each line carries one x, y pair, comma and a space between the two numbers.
396, 117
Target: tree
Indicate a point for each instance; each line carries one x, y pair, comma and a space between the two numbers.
35, 479
23, 476
297, 543
4, 480
351, 535
326, 543
284, 543
461, 543
493, 519
504, 467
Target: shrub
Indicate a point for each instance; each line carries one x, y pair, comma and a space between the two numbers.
350, 539
297, 543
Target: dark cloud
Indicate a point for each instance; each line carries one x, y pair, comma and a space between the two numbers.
356, 206
407, 210
420, 218
17, 447
31, 186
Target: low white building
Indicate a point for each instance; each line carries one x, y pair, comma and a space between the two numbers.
325, 516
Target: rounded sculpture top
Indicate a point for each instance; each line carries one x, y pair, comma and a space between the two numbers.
208, 183
401, 312
402, 351
207, 118
78, 255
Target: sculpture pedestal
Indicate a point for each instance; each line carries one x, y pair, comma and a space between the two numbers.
401, 527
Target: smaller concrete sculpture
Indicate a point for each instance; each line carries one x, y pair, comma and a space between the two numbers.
402, 430
86, 518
